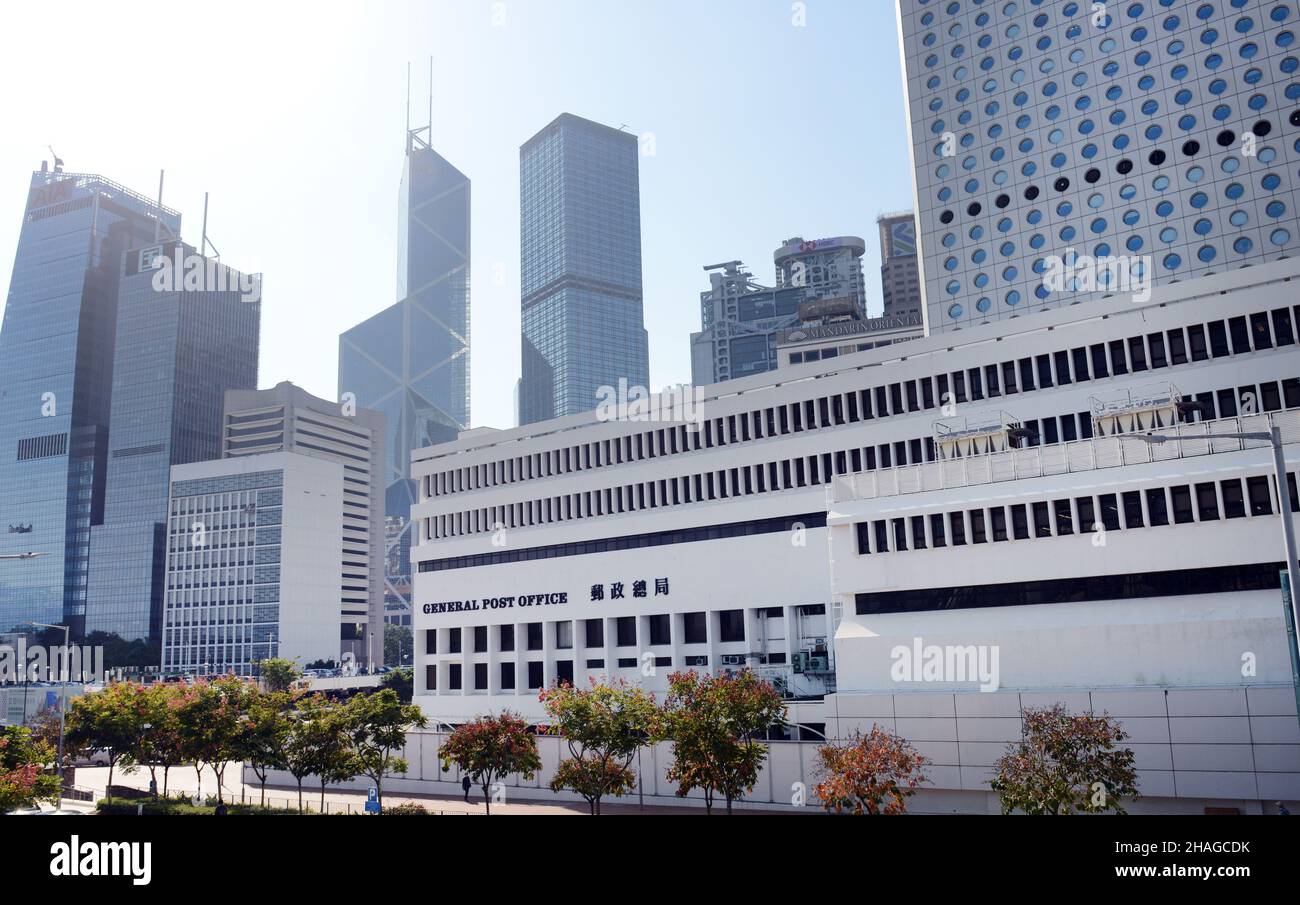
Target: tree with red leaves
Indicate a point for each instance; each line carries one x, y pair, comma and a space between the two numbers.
1065, 763
490, 748
873, 774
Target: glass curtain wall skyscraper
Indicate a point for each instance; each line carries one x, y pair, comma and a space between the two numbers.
1163, 132
580, 267
411, 360
56, 376
177, 353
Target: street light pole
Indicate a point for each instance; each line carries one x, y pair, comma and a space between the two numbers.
63, 695
1273, 437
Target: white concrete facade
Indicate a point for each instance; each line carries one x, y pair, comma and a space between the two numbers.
253, 560
516, 528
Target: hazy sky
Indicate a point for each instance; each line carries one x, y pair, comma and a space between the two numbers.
291, 116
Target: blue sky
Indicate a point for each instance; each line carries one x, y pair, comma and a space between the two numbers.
291, 116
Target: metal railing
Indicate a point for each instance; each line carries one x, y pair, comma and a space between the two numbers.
1191, 440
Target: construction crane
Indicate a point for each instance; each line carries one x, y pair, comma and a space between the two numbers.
58, 161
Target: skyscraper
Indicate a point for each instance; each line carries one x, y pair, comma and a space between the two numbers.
580, 267
1159, 132
411, 360
287, 418
177, 351
900, 276
56, 376
740, 320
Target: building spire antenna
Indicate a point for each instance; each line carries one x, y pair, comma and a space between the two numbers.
430, 100
408, 106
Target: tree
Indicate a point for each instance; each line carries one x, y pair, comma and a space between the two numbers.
1065, 763
376, 725
873, 774
24, 777
278, 674
312, 730
603, 726
399, 644
268, 722
108, 720
210, 716
714, 723
402, 682
161, 742
491, 748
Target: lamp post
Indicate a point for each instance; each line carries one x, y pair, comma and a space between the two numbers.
1273, 436
63, 688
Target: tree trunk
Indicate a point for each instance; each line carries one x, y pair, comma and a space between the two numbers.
728, 805
263, 778
299, 795
322, 797
166, 770
487, 801
108, 790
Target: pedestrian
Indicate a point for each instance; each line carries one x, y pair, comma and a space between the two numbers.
466, 785
1282, 811
221, 809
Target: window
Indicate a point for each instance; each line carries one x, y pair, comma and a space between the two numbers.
595, 629
480, 677
1132, 509
694, 629
1207, 502
453, 677
1157, 509
564, 635
957, 527
1182, 500
625, 631
431, 641
731, 625
535, 679
507, 637
507, 676
1234, 503
660, 631
453, 642
1019, 522
1260, 495
480, 639
1109, 511
534, 636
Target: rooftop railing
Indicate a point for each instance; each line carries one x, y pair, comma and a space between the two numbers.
1187, 441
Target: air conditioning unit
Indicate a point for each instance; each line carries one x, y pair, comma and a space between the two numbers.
733, 659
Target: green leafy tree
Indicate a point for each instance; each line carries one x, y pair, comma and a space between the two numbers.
715, 723
491, 748
268, 721
278, 674
376, 725
873, 774
210, 716
26, 764
1066, 763
108, 720
120, 653
399, 644
402, 682
313, 730
603, 726
161, 743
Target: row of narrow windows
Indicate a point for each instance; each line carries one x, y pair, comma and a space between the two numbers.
807, 471
1239, 335
1178, 504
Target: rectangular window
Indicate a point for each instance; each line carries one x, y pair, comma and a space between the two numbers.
731, 625
1207, 502
660, 629
1132, 509
1157, 510
507, 637
1234, 502
1019, 522
564, 635
453, 641
1260, 494
978, 534
1087, 514
480, 639
625, 631
535, 679
595, 630
1182, 500
998, 521
936, 530
1109, 511
1064, 518
957, 528
453, 677
694, 628
534, 636
480, 677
